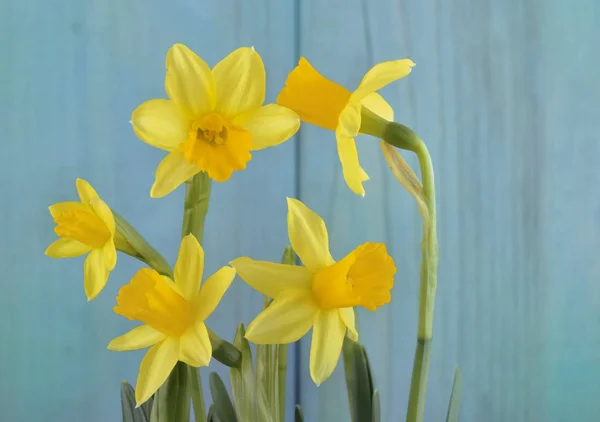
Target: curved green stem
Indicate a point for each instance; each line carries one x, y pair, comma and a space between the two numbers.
403, 137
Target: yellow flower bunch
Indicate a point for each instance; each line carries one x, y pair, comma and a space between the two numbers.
212, 121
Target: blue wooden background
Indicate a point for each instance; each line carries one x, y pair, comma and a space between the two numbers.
507, 96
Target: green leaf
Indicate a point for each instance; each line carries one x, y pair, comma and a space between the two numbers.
376, 417
243, 383
455, 397
212, 414
359, 381
221, 401
129, 411
172, 400
298, 415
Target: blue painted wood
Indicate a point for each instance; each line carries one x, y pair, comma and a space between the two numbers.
71, 75
505, 94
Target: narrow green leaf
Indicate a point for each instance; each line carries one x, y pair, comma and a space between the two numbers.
359, 381
221, 401
455, 397
264, 380
212, 414
172, 400
298, 415
376, 407
130, 413
127, 402
243, 383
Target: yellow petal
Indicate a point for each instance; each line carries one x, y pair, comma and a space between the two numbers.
189, 267
380, 75
270, 125
86, 192
195, 348
287, 319
59, 208
95, 274
354, 175
104, 212
326, 346
189, 82
172, 171
308, 235
270, 278
66, 248
110, 255
379, 106
347, 316
212, 291
155, 368
138, 338
241, 82
160, 123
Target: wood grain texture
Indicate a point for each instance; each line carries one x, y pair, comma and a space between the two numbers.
504, 94
72, 72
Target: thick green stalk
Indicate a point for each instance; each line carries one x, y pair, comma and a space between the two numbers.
195, 207
403, 137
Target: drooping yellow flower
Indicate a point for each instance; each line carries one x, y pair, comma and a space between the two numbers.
214, 118
322, 102
86, 226
321, 295
173, 314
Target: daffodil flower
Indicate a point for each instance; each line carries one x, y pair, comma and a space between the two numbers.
173, 314
86, 226
324, 103
213, 119
321, 295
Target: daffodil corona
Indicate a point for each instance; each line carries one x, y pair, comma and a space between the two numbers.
213, 119
86, 226
173, 314
322, 102
321, 295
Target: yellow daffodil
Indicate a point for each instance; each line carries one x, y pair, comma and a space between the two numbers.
322, 102
213, 119
86, 226
321, 295
173, 314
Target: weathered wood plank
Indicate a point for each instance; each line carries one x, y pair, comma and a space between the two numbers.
71, 74
511, 133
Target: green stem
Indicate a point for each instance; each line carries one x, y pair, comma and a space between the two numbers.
403, 137
197, 396
418, 384
427, 289
195, 207
130, 242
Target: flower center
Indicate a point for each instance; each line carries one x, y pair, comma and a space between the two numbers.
217, 146
150, 298
364, 278
84, 226
316, 99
